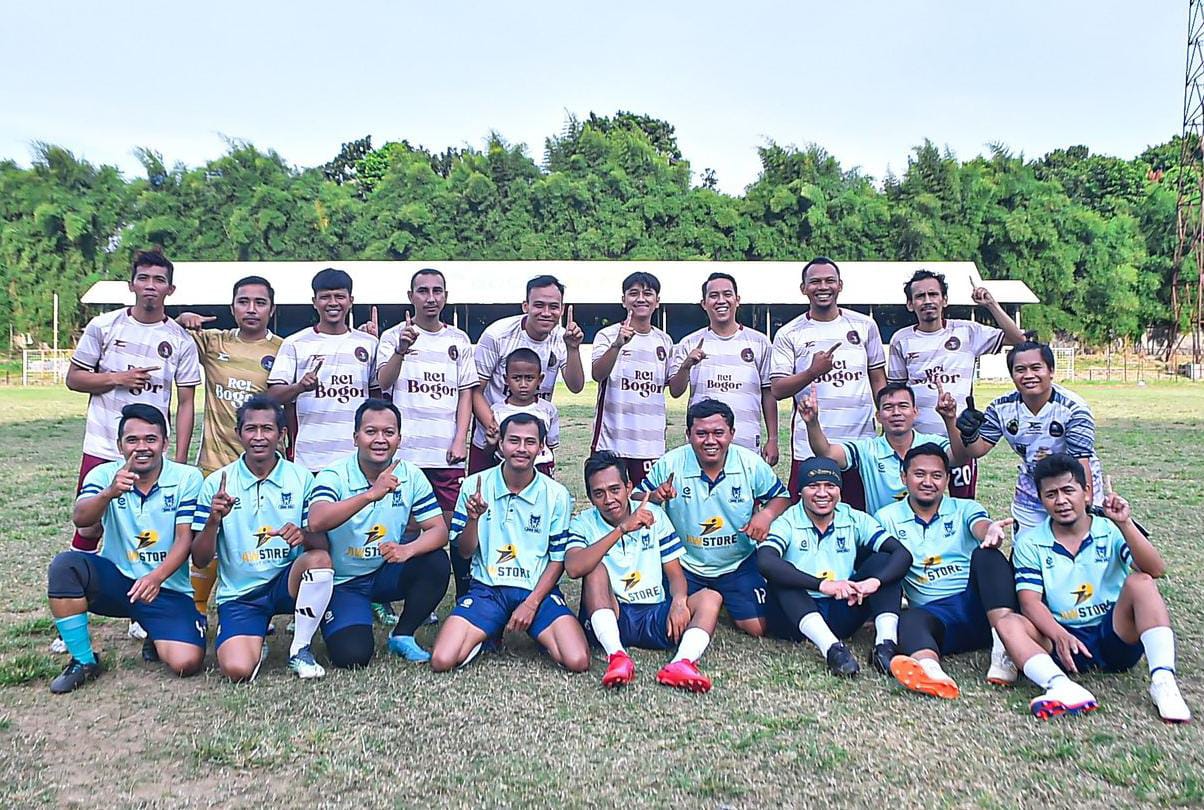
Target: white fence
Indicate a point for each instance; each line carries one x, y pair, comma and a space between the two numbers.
44, 366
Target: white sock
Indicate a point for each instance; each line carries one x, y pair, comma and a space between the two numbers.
886, 627
694, 643
815, 628
605, 625
997, 647
1042, 670
1159, 643
313, 595
932, 667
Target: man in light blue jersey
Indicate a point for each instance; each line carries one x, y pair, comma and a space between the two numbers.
1037, 419
363, 504
145, 504
878, 460
1087, 590
250, 515
831, 568
959, 585
626, 559
711, 489
513, 522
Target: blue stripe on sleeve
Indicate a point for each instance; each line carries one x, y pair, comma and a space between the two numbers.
669, 551
776, 542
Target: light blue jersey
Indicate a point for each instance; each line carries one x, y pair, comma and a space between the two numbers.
709, 515
248, 555
940, 550
881, 468
140, 529
355, 545
520, 533
1079, 589
830, 554
635, 563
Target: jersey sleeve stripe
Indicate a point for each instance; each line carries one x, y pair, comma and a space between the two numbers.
777, 543
776, 491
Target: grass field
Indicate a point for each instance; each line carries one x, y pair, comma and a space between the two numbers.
512, 730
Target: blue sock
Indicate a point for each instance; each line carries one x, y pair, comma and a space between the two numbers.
74, 632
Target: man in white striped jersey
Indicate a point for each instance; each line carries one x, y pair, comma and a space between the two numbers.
537, 329
941, 352
838, 351
324, 372
630, 363
729, 362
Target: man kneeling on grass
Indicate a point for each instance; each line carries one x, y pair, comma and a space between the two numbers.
1087, 591
830, 568
145, 504
250, 515
363, 504
512, 521
960, 585
623, 599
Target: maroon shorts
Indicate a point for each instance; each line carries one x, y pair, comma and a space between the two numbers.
637, 468
446, 483
963, 481
547, 468
86, 465
481, 458
851, 490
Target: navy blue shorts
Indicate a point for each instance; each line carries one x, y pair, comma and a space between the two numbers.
964, 620
842, 618
645, 626
488, 608
351, 602
1109, 652
171, 617
743, 590
250, 614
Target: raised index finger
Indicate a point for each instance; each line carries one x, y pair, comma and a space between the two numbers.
222, 486
375, 319
1107, 485
148, 369
570, 314
835, 346
970, 403
478, 486
318, 364
129, 463
644, 499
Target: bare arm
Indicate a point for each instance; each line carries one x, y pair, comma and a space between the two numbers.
877, 379
822, 447
185, 419
204, 544
769, 409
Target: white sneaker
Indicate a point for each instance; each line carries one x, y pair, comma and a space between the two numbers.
136, 632
305, 666
1003, 671
1063, 696
1166, 696
58, 646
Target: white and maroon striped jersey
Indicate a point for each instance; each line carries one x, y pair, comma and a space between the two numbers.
846, 399
115, 341
735, 371
630, 419
498, 340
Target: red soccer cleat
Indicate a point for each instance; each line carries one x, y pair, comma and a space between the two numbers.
620, 671
684, 675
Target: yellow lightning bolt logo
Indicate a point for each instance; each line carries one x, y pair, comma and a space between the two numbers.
375, 535
935, 559
828, 575
147, 539
1083, 593
631, 580
262, 535
711, 526
506, 553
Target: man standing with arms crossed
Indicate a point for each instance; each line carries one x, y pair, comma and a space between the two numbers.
537, 329
729, 362
236, 364
839, 352
939, 352
133, 355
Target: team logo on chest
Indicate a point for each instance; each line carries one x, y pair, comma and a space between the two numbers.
169, 502
286, 500
398, 498
1012, 427
164, 350
804, 544
736, 495
646, 541
948, 528
533, 522
361, 354
746, 355
551, 360
453, 353
853, 338
953, 343
1056, 429
266, 362
660, 353
1101, 553
842, 544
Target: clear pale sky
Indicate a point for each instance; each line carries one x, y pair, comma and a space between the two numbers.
865, 80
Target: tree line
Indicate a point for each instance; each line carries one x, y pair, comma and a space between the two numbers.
1092, 235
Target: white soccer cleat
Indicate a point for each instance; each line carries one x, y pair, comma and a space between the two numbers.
1003, 671
305, 666
58, 646
1063, 696
136, 632
1166, 696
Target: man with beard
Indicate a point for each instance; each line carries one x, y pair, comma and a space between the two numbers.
938, 355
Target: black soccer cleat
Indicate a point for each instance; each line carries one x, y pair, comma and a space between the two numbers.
149, 654
881, 655
73, 676
841, 662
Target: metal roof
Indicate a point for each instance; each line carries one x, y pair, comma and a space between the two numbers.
484, 282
